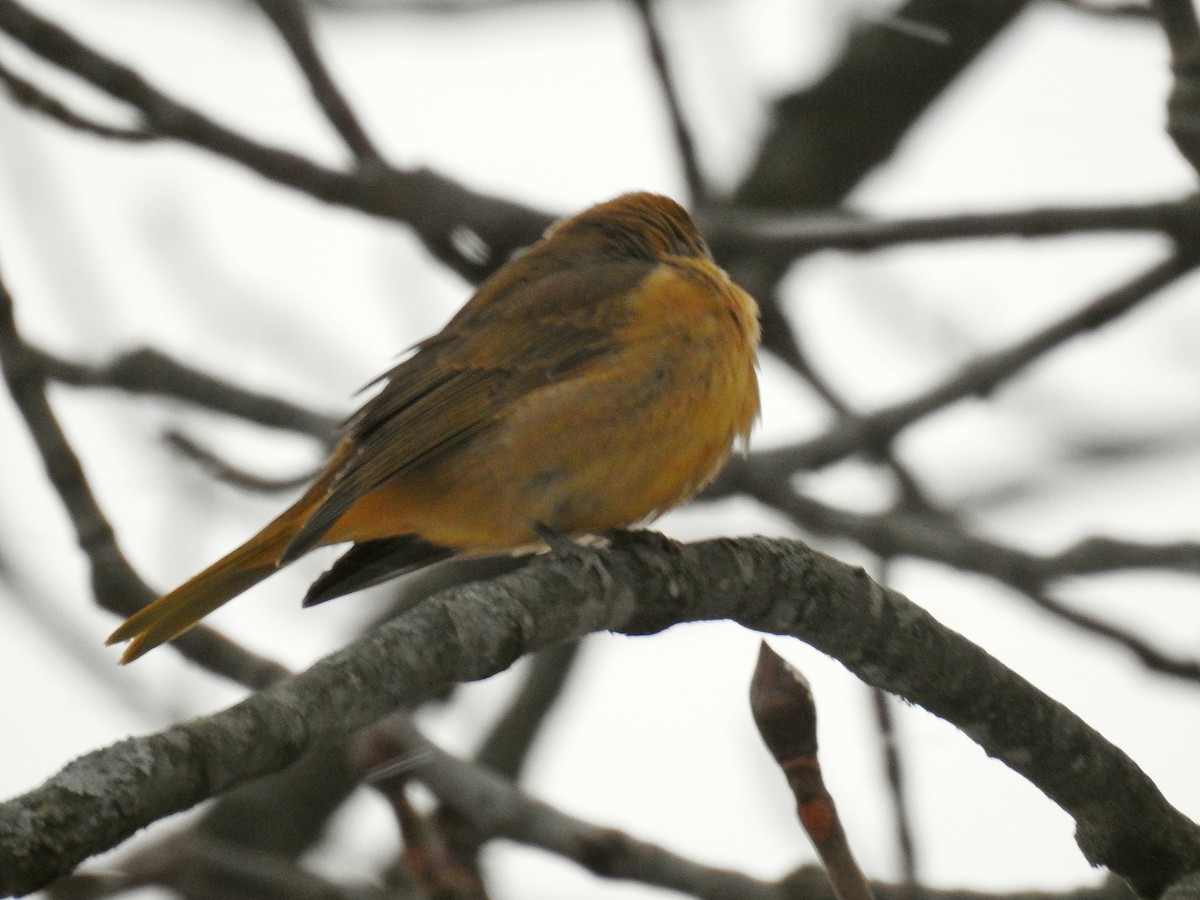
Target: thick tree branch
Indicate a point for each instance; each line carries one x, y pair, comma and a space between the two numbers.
940, 538
826, 138
1182, 29
775, 586
1123, 821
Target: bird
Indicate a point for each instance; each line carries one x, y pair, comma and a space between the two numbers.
597, 379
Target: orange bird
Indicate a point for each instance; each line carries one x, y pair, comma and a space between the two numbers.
595, 381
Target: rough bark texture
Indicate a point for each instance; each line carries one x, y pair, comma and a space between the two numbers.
771, 585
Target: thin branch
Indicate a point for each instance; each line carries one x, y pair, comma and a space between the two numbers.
431, 857
735, 230
195, 866
893, 772
27, 94
685, 143
471, 232
776, 586
149, 371
1150, 656
443, 212
115, 584
227, 473
1104, 554
504, 752
978, 378
1100, 9
497, 809
290, 19
810, 883
894, 534
506, 748
893, 769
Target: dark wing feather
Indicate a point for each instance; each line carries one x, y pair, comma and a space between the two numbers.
369, 563
514, 336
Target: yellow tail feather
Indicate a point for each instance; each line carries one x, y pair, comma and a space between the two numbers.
174, 613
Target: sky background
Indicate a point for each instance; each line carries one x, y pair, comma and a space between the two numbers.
108, 247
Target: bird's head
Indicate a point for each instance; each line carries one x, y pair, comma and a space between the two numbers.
640, 225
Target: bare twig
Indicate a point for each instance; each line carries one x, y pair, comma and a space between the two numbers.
1103, 554
940, 538
149, 371
1133, 10
978, 378
893, 771
441, 850
734, 230
454, 837
228, 473
685, 142
506, 747
497, 809
1150, 656
195, 866
442, 213
289, 17
29, 95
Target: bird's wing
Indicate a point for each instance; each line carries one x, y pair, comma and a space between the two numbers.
464, 379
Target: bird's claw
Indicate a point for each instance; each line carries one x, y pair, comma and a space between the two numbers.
590, 558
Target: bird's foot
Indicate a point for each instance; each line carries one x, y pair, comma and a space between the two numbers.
590, 558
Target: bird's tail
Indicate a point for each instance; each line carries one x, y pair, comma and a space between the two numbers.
174, 613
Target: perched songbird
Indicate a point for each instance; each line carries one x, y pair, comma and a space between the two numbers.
595, 381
